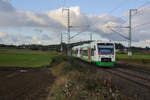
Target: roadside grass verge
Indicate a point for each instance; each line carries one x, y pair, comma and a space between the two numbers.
75, 82
25, 58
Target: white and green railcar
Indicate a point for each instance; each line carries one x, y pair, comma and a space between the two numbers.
101, 53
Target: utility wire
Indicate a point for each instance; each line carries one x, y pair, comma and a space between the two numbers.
147, 23
64, 3
75, 35
117, 7
144, 4
119, 34
121, 3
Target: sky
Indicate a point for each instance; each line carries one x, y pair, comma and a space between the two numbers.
87, 6
42, 21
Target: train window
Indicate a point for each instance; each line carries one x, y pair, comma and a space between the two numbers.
105, 48
92, 52
106, 51
75, 52
94, 48
80, 51
84, 52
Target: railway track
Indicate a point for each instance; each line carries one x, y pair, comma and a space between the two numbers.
139, 69
133, 74
140, 80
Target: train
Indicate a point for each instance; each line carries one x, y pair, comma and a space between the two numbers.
98, 52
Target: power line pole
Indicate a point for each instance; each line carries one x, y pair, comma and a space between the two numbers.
69, 51
61, 49
91, 36
129, 44
130, 31
129, 38
68, 30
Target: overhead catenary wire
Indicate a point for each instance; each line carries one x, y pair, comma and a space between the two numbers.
144, 4
117, 7
64, 3
119, 34
147, 23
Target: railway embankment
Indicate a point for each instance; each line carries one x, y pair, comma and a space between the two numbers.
131, 81
77, 80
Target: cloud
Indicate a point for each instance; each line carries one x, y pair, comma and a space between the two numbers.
144, 43
34, 38
45, 37
3, 34
39, 42
5, 6
11, 17
11, 38
37, 18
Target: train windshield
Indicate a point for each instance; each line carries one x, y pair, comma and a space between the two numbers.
105, 49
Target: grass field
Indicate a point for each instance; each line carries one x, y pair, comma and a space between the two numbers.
136, 59
29, 58
24, 58
135, 56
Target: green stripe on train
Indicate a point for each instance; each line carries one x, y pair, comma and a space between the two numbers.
105, 63
109, 64
99, 63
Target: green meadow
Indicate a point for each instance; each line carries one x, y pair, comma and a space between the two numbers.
25, 58
134, 56
136, 59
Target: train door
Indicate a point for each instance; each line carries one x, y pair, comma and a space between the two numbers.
95, 53
89, 54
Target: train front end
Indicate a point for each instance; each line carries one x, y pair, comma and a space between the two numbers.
106, 54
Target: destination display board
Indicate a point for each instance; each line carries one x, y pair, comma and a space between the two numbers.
105, 46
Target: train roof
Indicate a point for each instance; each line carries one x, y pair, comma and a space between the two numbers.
80, 46
100, 41
91, 44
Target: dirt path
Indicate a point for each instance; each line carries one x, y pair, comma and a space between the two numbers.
25, 84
